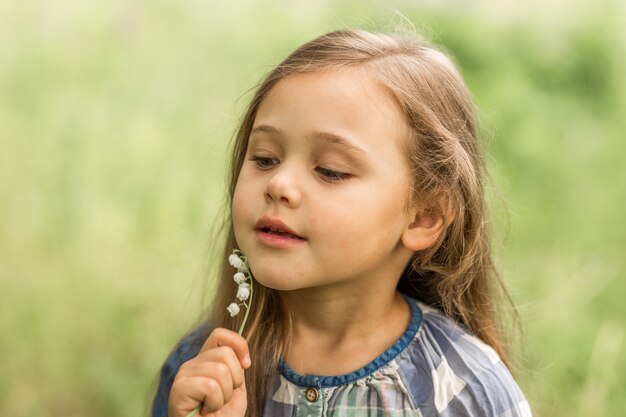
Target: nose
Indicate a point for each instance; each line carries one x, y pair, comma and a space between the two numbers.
283, 187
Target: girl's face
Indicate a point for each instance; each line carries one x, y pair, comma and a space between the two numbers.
325, 163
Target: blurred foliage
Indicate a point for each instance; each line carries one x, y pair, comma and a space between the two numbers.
115, 119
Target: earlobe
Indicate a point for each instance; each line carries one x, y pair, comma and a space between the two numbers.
423, 231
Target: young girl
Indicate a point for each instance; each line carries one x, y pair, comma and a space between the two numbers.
357, 199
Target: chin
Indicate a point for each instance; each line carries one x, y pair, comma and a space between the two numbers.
273, 280
276, 284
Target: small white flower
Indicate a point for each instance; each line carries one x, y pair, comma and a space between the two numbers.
233, 309
243, 292
239, 264
240, 278
243, 278
234, 260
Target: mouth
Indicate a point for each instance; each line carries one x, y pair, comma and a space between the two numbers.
278, 232
273, 230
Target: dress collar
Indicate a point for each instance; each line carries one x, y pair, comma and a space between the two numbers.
320, 381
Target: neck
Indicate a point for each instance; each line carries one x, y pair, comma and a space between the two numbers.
333, 312
330, 326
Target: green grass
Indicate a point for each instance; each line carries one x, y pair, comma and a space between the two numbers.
114, 125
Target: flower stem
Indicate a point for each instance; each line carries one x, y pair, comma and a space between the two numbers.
194, 411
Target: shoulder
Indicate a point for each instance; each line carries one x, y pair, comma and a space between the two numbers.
461, 375
187, 348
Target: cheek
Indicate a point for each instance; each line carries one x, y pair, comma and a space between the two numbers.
362, 224
236, 206
240, 207
247, 188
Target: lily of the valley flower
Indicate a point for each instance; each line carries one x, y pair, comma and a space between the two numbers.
243, 278
240, 278
236, 262
233, 309
243, 293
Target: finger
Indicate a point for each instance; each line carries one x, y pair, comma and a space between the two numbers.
214, 398
224, 356
224, 337
188, 393
214, 370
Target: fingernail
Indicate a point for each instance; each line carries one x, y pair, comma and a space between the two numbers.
246, 361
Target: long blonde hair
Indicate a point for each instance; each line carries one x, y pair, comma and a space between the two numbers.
456, 275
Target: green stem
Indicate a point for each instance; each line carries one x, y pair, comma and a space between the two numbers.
194, 411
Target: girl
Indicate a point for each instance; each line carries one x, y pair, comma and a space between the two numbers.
357, 198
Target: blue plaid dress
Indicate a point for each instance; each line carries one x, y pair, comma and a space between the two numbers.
435, 369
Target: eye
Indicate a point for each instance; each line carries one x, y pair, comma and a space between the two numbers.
264, 162
332, 176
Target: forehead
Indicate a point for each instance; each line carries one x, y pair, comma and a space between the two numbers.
346, 103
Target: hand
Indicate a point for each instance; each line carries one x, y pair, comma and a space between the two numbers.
214, 378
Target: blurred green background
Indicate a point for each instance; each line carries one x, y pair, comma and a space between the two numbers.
115, 119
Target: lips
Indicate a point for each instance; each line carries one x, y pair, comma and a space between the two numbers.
275, 226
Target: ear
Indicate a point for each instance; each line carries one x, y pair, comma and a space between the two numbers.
424, 229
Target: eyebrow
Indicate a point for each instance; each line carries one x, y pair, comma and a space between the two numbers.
330, 138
